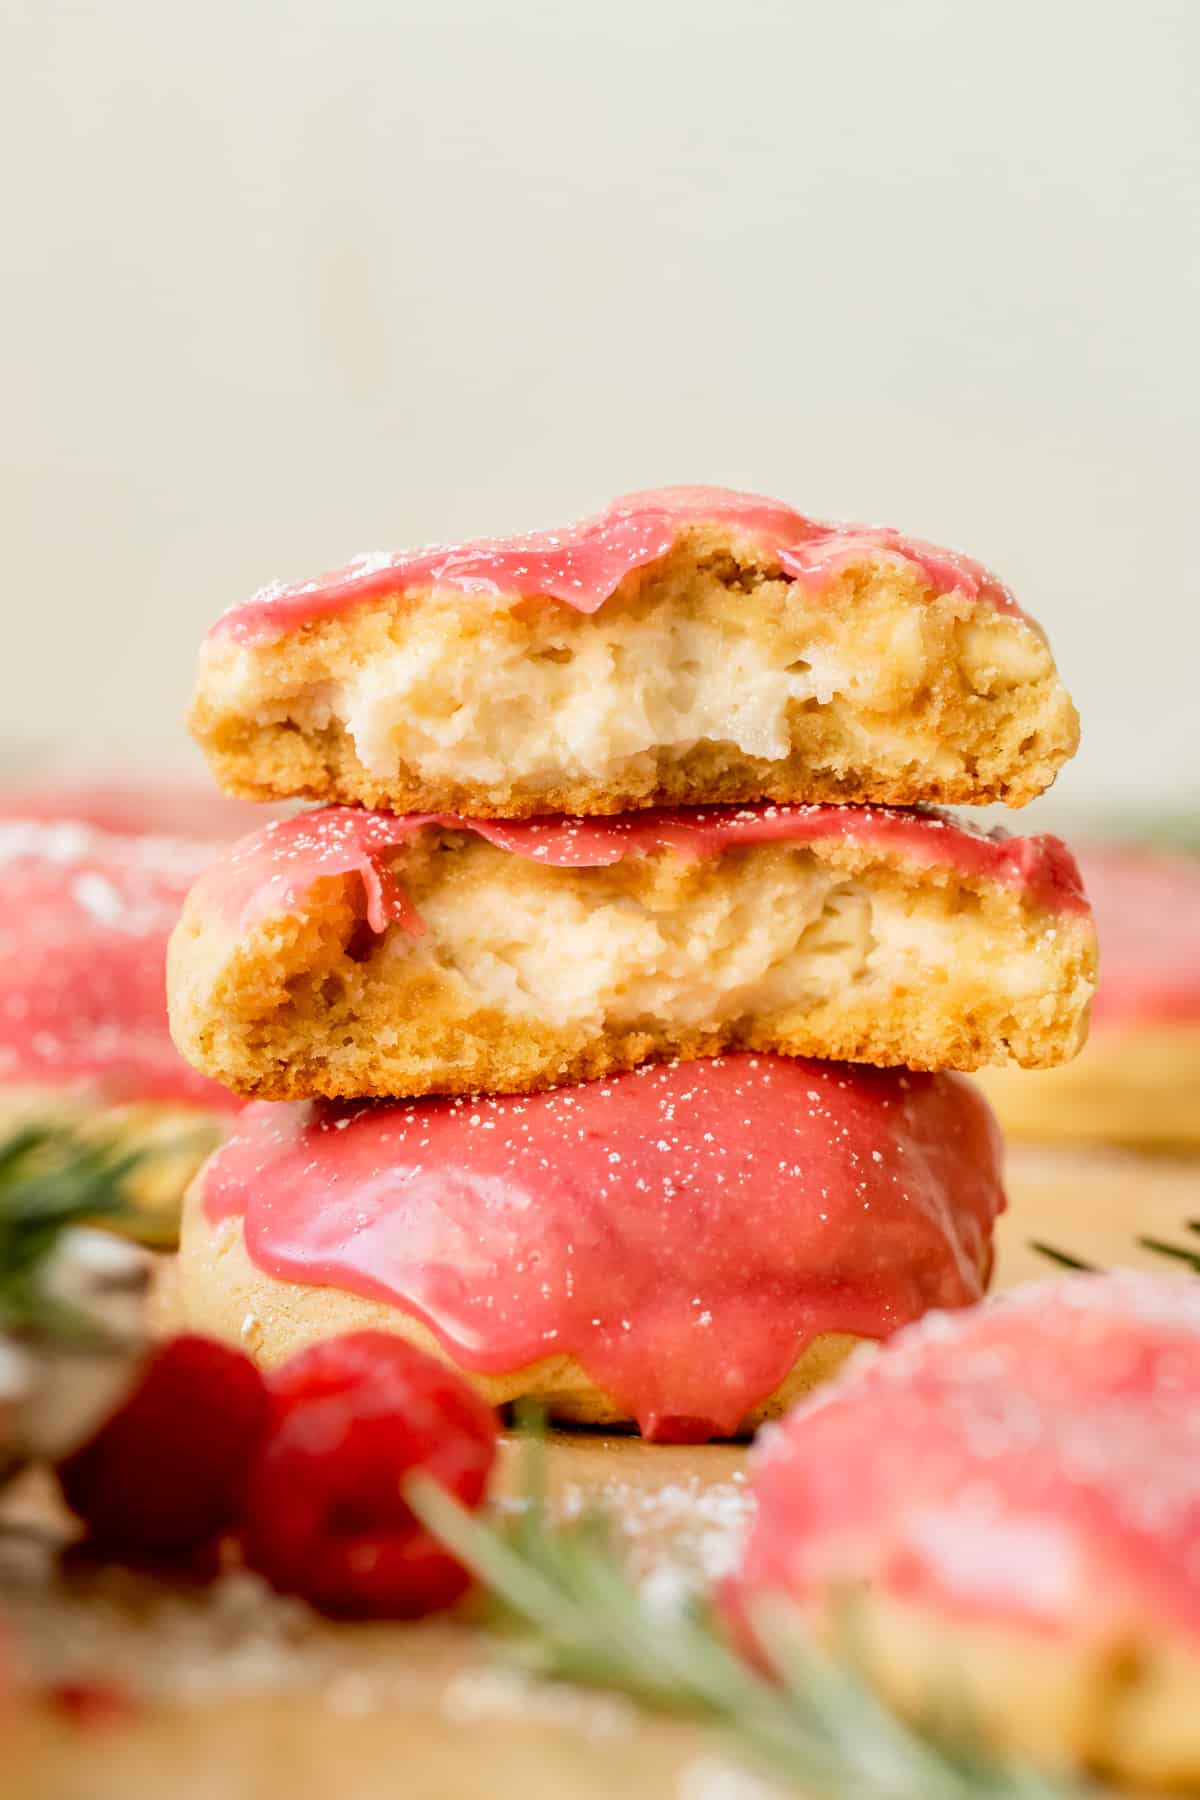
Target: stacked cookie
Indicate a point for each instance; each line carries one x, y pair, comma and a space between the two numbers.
640, 881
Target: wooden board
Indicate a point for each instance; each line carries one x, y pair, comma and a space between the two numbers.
242, 1696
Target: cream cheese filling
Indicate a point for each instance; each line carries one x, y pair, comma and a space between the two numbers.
773, 935
633, 688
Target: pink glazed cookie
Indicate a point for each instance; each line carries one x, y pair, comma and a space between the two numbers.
687, 645
686, 1247
1005, 1502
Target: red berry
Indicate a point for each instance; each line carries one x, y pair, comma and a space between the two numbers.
326, 1516
92, 1704
167, 1472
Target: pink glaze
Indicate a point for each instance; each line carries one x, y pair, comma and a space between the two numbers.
84, 922
1037, 1460
270, 873
582, 564
683, 1231
1148, 921
136, 806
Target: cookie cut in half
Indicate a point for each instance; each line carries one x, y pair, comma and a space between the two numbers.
686, 1247
688, 645
1138, 1079
1002, 1509
345, 953
84, 1041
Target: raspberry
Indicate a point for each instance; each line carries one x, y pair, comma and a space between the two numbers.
326, 1516
167, 1472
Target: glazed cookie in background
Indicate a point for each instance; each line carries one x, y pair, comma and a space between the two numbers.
1138, 1079
133, 806
1006, 1503
688, 645
344, 953
84, 921
687, 1247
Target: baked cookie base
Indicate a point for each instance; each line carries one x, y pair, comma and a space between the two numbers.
706, 677
221, 1292
526, 976
1137, 1086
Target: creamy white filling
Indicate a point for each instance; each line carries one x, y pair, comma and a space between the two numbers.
777, 937
617, 693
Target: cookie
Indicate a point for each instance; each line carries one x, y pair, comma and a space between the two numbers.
685, 1247
1137, 1081
343, 953
687, 646
1003, 1507
84, 1041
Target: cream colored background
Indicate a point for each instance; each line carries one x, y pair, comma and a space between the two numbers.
285, 280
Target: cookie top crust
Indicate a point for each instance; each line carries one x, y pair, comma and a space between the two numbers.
1147, 907
84, 921
1036, 1461
684, 1231
270, 872
582, 564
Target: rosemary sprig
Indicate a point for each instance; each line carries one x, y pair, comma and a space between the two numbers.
1184, 1253
51, 1178
1063, 1258
567, 1608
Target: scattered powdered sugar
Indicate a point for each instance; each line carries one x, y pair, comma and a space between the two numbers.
676, 1534
715, 1778
478, 1696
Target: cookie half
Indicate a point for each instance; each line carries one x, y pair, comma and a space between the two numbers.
688, 645
686, 1247
345, 953
1003, 1507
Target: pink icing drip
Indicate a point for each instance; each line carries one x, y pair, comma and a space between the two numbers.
1036, 1460
683, 1231
270, 872
582, 564
1148, 920
84, 922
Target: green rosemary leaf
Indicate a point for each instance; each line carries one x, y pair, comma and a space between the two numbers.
52, 1178
1181, 1252
1063, 1258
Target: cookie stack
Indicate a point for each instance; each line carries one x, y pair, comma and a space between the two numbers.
610, 985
